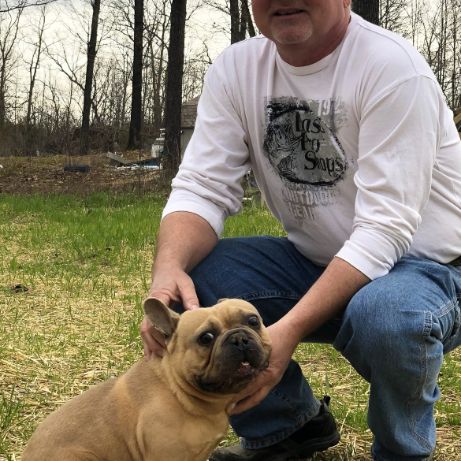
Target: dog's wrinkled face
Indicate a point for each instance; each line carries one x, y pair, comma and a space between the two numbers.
215, 350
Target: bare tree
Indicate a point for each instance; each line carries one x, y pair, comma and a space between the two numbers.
368, 9
35, 63
441, 47
84, 134
456, 55
6, 6
112, 98
241, 21
134, 138
175, 72
9, 29
392, 15
237, 33
194, 73
156, 31
414, 13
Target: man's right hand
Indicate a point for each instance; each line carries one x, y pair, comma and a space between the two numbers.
168, 286
183, 241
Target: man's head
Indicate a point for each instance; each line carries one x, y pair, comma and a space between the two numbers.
304, 31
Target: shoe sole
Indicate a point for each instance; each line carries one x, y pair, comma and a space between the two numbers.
301, 453
314, 447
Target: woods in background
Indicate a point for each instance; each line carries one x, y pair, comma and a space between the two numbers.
92, 74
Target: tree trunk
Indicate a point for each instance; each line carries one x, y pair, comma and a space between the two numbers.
246, 14
175, 71
368, 9
234, 11
9, 28
134, 138
84, 134
2, 107
33, 67
241, 21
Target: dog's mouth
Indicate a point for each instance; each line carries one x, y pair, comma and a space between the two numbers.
246, 369
232, 382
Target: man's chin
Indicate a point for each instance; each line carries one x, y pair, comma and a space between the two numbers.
292, 37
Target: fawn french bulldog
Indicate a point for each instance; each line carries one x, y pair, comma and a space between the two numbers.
170, 408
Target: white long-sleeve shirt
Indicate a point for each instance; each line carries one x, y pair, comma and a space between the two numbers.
357, 155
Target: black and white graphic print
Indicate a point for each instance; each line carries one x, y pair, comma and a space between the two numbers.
302, 147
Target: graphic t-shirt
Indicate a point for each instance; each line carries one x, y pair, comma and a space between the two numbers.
357, 155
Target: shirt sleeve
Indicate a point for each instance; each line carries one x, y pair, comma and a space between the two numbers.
398, 142
208, 182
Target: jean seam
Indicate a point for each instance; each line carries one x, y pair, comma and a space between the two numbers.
427, 328
447, 308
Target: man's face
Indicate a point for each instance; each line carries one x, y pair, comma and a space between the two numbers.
299, 24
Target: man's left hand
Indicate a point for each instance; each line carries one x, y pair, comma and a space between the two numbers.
283, 346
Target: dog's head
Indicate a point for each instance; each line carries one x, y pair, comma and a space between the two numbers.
215, 350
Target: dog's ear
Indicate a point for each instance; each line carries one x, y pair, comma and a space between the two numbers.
162, 317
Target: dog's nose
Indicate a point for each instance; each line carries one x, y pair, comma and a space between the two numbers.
240, 340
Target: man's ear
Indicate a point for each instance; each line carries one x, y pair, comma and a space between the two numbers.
162, 317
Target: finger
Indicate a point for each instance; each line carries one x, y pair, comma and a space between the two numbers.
151, 346
153, 340
188, 294
147, 352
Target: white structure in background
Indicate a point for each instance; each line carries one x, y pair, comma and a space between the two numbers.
158, 146
188, 116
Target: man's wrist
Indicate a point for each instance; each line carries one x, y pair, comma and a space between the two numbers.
167, 263
289, 331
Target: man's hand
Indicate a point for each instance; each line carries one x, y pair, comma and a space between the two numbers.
183, 241
283, 346
174, 286
326, 299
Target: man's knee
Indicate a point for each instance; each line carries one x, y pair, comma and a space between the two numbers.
384, 330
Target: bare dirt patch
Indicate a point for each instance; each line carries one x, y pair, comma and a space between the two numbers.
47, 174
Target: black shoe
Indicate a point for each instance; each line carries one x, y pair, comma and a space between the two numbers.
318, 434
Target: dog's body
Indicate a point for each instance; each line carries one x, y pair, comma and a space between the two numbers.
163, 409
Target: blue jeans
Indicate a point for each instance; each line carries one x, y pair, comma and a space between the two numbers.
394, 332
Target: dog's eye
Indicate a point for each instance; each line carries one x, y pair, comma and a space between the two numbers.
205, 339
253, 321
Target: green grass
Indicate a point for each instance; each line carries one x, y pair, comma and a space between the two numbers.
73, 273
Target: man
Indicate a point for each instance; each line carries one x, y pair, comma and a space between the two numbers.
356, 153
